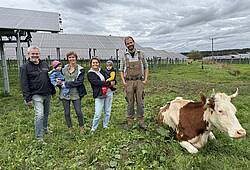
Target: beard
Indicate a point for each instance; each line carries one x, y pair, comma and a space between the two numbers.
131, 47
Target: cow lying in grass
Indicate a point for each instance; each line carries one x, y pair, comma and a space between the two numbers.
193, 121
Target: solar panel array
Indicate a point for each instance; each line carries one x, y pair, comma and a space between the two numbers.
104, 46
29, 20
150, 53
238, 56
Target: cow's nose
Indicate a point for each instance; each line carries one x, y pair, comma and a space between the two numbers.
241, 133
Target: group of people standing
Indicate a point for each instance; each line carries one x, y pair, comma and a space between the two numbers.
39, 82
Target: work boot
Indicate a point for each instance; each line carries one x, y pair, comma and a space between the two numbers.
130, 122
142, 123
82, 130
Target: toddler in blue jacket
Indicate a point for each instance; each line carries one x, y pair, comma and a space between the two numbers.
56, 74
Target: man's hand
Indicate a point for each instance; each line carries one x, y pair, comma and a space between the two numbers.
124, 83
123, 79
29, 104
144, 81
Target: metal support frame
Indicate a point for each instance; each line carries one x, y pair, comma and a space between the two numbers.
6, 91
19, 51
22, 29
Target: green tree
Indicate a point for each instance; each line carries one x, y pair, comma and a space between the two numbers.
195, 55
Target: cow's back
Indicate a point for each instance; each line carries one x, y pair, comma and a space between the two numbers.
171, 112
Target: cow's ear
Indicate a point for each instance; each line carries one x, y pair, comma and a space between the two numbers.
203, 97
210, 103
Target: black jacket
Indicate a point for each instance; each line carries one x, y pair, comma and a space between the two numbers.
111, 70
78, 82
35, 80
108, 73
96, 82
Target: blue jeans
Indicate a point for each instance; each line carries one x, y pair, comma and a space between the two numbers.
105, 103
65, 91
41, 107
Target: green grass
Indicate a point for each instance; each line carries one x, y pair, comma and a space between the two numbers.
117, 148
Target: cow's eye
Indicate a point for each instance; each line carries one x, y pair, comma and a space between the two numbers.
220, 111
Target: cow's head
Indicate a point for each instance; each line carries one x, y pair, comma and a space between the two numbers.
160, 117
222, 114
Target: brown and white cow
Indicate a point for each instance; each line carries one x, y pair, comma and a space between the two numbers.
193, 121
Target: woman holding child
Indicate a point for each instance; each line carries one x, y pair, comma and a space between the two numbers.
74, 77
101, 92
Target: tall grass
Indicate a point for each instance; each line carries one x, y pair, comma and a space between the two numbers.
116, 147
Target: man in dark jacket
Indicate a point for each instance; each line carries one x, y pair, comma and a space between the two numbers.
37, 89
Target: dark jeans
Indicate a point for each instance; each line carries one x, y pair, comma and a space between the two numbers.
77, 106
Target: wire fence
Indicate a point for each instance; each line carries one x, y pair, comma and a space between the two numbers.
152, 63
228, 60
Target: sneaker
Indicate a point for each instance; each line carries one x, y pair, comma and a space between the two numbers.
92, 132
71, 130
47, 131
40, 140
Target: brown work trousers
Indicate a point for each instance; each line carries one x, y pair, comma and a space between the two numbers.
134, 90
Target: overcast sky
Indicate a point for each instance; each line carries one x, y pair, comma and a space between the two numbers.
172, 25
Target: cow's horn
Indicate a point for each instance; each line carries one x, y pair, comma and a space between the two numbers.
235, 94
213, 93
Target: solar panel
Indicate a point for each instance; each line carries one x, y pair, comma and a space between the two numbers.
29, 20
105, 46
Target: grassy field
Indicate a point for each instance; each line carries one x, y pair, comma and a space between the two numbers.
116, 147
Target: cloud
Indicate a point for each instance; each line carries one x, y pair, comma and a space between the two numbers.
77, 6
198, 16
163, 29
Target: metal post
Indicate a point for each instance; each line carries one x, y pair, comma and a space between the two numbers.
90, 53
58, 53
23, 58
212, 48
19, 51
117, 58
5, 71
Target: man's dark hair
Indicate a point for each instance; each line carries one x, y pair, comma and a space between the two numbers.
128, 37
